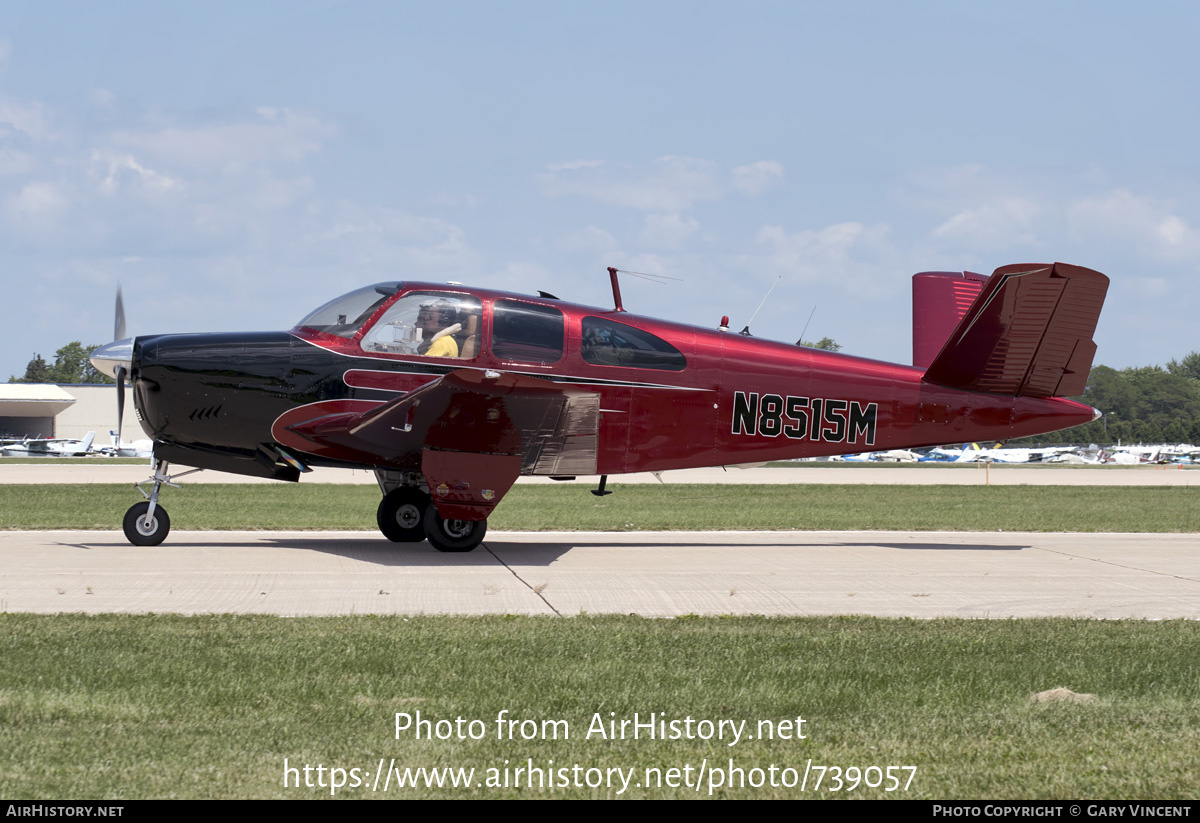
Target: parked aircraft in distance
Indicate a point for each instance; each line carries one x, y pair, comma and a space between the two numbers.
50, 447
450, 393
121, 448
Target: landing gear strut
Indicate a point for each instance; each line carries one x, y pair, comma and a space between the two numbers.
147, 523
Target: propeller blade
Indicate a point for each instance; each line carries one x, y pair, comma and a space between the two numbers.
119, 318
120, 375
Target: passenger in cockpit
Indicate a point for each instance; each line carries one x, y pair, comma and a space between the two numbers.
438, 323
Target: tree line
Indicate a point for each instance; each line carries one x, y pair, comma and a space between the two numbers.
1141, 404
71, 365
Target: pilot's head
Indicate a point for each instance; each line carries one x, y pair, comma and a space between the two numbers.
434, 317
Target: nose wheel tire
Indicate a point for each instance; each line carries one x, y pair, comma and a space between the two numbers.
453, 535
401, 515
142, 532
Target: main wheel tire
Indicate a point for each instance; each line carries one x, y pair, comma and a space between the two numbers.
142, 533
401, 515
453, 535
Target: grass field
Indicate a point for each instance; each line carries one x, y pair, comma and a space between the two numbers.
129, 707
642, 507
120, 706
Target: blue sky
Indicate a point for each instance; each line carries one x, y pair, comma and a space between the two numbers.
233, 166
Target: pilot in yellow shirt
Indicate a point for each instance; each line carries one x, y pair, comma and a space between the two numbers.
443, 347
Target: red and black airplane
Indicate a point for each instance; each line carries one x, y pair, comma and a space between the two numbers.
450, 393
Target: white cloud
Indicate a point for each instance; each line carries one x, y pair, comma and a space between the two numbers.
671, 184
1174, 230
648, 264
756, 178
391, 236
994, 224
1145, 221
591, 239
668, 231
849, 255
116, 171
573, 165
39, 203
279, 135
27, 118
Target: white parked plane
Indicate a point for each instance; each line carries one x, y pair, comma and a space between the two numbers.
51, 447
122, 448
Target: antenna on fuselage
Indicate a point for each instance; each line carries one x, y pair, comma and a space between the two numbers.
616, 287
800, 342
746, 331
612, 273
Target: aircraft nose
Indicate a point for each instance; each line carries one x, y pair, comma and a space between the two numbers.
108, 357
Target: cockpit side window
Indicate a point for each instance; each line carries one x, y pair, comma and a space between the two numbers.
344, 315
433, 324
606, 343
527, 332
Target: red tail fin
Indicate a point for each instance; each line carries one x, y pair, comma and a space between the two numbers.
1028, 333
940, 299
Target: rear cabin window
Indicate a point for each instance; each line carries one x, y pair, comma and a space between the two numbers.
527, 332
606, 343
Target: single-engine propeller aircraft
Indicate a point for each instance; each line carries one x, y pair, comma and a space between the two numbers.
451, 393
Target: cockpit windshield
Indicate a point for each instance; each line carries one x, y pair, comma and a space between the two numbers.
345, 315
432, 324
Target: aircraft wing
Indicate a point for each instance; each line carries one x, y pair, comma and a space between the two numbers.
1028, 333
474, 432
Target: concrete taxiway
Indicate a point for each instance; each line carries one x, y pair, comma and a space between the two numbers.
655, 574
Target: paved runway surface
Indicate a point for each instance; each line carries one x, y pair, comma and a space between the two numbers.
659, 574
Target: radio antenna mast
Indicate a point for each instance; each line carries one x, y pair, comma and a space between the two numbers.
746, 331
806, 322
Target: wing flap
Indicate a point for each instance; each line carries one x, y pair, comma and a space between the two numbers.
1028, 333
470, 433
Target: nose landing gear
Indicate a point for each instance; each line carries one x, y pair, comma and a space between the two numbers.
144, 527
147, 523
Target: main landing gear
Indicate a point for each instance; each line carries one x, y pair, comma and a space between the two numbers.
406, 514
401, 514
453, 535
147, 523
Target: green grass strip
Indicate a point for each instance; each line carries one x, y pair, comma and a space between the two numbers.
642, 507
120, 706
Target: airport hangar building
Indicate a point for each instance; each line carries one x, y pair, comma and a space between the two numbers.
69, 410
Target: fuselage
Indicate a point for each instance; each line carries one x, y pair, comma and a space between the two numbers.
671, 396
